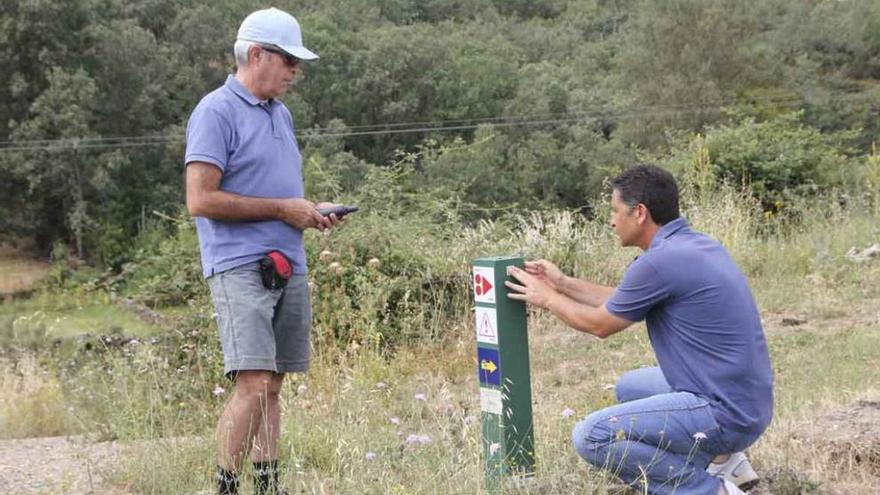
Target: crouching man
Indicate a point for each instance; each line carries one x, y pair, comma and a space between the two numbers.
680, 427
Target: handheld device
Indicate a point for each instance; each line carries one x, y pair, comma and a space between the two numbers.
340, 210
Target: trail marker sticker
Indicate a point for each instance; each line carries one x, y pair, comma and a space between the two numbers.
487, 325
484, 284
488, 366
490, 400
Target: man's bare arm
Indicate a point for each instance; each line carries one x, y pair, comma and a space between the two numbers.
586, 318
533, 288
205, 199
579, 290
585, 292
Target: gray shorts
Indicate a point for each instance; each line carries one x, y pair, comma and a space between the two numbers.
262, 329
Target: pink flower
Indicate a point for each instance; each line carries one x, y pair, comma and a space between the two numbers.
494, 448
567, 412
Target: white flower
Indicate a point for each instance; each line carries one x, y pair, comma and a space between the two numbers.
218, 390
567, 412
699, 436
416, 439
370, 456
421, 397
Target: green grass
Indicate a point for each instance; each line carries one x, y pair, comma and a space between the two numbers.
56, 317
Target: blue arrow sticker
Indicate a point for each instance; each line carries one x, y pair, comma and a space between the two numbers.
488, 366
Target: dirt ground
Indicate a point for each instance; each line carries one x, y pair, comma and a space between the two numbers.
57, 465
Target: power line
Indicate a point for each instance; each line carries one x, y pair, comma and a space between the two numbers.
90, 143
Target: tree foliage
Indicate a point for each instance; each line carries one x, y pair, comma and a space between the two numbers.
488, 105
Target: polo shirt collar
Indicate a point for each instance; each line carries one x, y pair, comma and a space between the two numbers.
668, 230
239, 89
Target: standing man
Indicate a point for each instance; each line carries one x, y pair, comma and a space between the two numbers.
244, 185
712, 395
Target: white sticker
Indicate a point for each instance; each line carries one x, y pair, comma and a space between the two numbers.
490, 400
484, 284
487, 325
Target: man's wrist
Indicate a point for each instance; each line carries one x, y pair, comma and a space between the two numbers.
553, 301
562, 283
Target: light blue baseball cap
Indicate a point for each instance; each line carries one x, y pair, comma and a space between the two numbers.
278, 28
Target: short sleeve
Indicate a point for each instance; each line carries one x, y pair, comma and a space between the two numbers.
641, 289
208, 136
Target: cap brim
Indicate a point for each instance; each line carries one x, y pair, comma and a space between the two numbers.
300, 52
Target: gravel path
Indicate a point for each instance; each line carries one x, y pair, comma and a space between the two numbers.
56, 465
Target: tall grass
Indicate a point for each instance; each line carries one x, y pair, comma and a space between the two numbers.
390, 405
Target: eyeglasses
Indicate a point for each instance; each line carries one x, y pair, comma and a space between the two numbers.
290, 60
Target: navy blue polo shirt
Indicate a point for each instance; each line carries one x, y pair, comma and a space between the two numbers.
703, 324
252, 142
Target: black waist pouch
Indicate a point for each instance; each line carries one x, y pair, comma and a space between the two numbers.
275, 270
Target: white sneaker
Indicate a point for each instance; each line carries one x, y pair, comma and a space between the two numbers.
730, 488
737, 469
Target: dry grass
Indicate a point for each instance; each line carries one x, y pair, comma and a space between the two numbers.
19, 273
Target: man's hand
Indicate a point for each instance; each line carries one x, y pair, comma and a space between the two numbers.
532, 289
546, 272
331, 220
302, 214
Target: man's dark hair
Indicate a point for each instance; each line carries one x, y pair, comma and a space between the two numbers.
653, 187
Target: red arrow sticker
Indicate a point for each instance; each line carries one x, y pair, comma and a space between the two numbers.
482, 285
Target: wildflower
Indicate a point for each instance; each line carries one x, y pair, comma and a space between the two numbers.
699, 436
370, 456
394, 420
567, 412
494, 448
382, 386
326, 255
301, 389
218, 390
133, 342
416, 439
421, 397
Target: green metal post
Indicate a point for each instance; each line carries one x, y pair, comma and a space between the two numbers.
503, 370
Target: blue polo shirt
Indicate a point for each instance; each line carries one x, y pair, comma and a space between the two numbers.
252, 142
703, 324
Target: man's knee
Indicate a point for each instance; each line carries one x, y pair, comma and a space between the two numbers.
257, 385
591, 437
640, 383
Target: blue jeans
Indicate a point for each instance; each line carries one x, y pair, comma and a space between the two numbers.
658, 437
